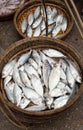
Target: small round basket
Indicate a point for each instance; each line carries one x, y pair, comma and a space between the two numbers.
18, 116
30, 6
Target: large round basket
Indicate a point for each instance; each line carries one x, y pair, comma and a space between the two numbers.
18, 116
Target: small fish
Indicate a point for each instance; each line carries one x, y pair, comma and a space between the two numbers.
64, 25
30, 93
37, 22
24, 26
70, 78
49, 102
63, 64
44, 57
59, 19
25, 79
30, 19
7, 80
9, 91
17, 94
74, 72
37, 31
54, 77
55, 31
49, 11
8, 68
24, 102
16, 76
37, 58
38, 101
37, 12
60, 102
36, 108
30, 70
54, 13
46, 72
29, 31
50, 21
33, 63
63, 75
57, 92
37, 85
42, 25
53, 53
23, 58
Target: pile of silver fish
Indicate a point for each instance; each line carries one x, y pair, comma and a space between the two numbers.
41, 79
34, 25
8, 6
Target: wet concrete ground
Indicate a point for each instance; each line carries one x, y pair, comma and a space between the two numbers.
70, 119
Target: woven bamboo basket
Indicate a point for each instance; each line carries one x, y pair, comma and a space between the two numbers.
30, 6
8, 16
18, 116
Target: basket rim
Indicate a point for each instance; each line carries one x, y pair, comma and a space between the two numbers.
56, 3
60, 42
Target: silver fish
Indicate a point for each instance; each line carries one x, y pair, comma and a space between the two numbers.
37, 85
25, 79
49, 11
59, 19
74, 72
53, 53
70, 78
37, 31
64, 24
9, 91
7, 80
17, 94
30, 93
30, 70
44, 57
36, 108
57, 92
42, 25
37, 58
8, 68
63, 64
24, 102
30, 19
24, 25
29, 31
46, 72
38, 101
23, 58
56, 30
63, 75
49, 102
50, 21
16, 76
37, 12
54, 77
33, 63
60, 102
37, 22
54, 13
